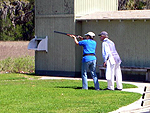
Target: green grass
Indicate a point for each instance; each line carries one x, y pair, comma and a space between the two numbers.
18, 94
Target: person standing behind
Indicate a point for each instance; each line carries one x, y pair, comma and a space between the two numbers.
89, 59
112, 62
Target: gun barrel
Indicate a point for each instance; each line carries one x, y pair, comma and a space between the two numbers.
65, 33
60, 32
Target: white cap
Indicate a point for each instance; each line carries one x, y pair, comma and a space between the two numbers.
90, 34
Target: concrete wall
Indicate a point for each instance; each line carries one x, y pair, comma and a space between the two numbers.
55, 15
54, 7
131, 39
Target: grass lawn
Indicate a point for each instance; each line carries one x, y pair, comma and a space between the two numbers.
20, 93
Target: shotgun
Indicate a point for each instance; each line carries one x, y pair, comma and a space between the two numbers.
68, 34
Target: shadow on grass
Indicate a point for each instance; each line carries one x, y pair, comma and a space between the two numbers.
32, 74
73, 87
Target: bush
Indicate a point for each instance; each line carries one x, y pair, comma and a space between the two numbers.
24, 64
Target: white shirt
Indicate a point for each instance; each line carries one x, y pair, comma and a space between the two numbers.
109, 52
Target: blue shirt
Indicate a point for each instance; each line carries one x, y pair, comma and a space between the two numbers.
89, 47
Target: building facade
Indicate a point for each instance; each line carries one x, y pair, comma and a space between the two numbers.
63, 57
128, 29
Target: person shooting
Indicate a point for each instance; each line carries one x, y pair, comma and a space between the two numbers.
89, 58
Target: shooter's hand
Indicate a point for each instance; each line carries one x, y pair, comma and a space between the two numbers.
80, 37
104, 64
73, 36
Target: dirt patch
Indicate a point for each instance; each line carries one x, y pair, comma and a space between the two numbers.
14, 49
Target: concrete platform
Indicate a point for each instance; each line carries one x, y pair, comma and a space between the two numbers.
136, 106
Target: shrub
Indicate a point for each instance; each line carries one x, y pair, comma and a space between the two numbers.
25, 64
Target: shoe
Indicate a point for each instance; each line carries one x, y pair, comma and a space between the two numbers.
108, 89
118, 89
